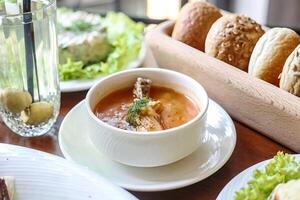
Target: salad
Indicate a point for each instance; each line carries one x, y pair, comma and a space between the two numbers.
279, 180
91, 45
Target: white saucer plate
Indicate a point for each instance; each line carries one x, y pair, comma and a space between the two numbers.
42, 176
216, 149
80, 85
241, 180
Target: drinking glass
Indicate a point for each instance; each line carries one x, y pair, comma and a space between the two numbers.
29, 83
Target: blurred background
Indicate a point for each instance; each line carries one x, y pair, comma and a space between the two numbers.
267, 12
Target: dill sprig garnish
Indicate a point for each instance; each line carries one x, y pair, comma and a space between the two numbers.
134, 110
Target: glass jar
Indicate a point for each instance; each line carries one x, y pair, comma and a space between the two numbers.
29, 83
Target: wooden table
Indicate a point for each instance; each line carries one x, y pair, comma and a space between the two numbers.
251, 148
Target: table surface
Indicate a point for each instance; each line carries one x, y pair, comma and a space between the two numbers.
251, 148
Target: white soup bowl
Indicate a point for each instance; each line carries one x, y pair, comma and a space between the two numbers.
147, 149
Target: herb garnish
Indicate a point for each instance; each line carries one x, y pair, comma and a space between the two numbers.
79, 26
134, 110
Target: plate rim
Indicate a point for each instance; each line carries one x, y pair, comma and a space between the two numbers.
160, 187
80, 170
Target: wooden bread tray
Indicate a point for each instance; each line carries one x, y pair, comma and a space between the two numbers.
256, 103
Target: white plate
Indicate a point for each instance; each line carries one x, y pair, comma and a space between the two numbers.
241, 180
42, 176
80, 85
216, 149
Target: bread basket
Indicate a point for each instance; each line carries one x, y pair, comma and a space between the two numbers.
256, 103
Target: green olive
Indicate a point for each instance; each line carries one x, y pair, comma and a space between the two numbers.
37, 113
14, 100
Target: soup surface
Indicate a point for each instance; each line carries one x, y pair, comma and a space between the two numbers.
170, 109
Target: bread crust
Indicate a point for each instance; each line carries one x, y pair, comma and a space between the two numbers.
194, 22
232, 39
271, 52
290, 76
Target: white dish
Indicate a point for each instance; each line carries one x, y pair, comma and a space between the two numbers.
241, 180
80, 85
144, 149
42, 176
216, 149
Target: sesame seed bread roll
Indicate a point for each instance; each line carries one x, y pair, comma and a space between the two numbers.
194, 22
271, 52
232, 39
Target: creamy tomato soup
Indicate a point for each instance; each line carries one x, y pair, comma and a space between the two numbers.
175, 108
144, 107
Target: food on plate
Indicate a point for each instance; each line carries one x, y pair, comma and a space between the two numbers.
37, 113
271, 52
286, 191
145, 107
232, 39
82, 37
7, 188
279, 180
91, 45
194, 22
290, 76
14, 100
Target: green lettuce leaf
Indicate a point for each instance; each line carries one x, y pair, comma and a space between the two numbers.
124, 36
281, 169
77, 71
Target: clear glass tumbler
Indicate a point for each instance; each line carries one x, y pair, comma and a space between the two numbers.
29, 83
